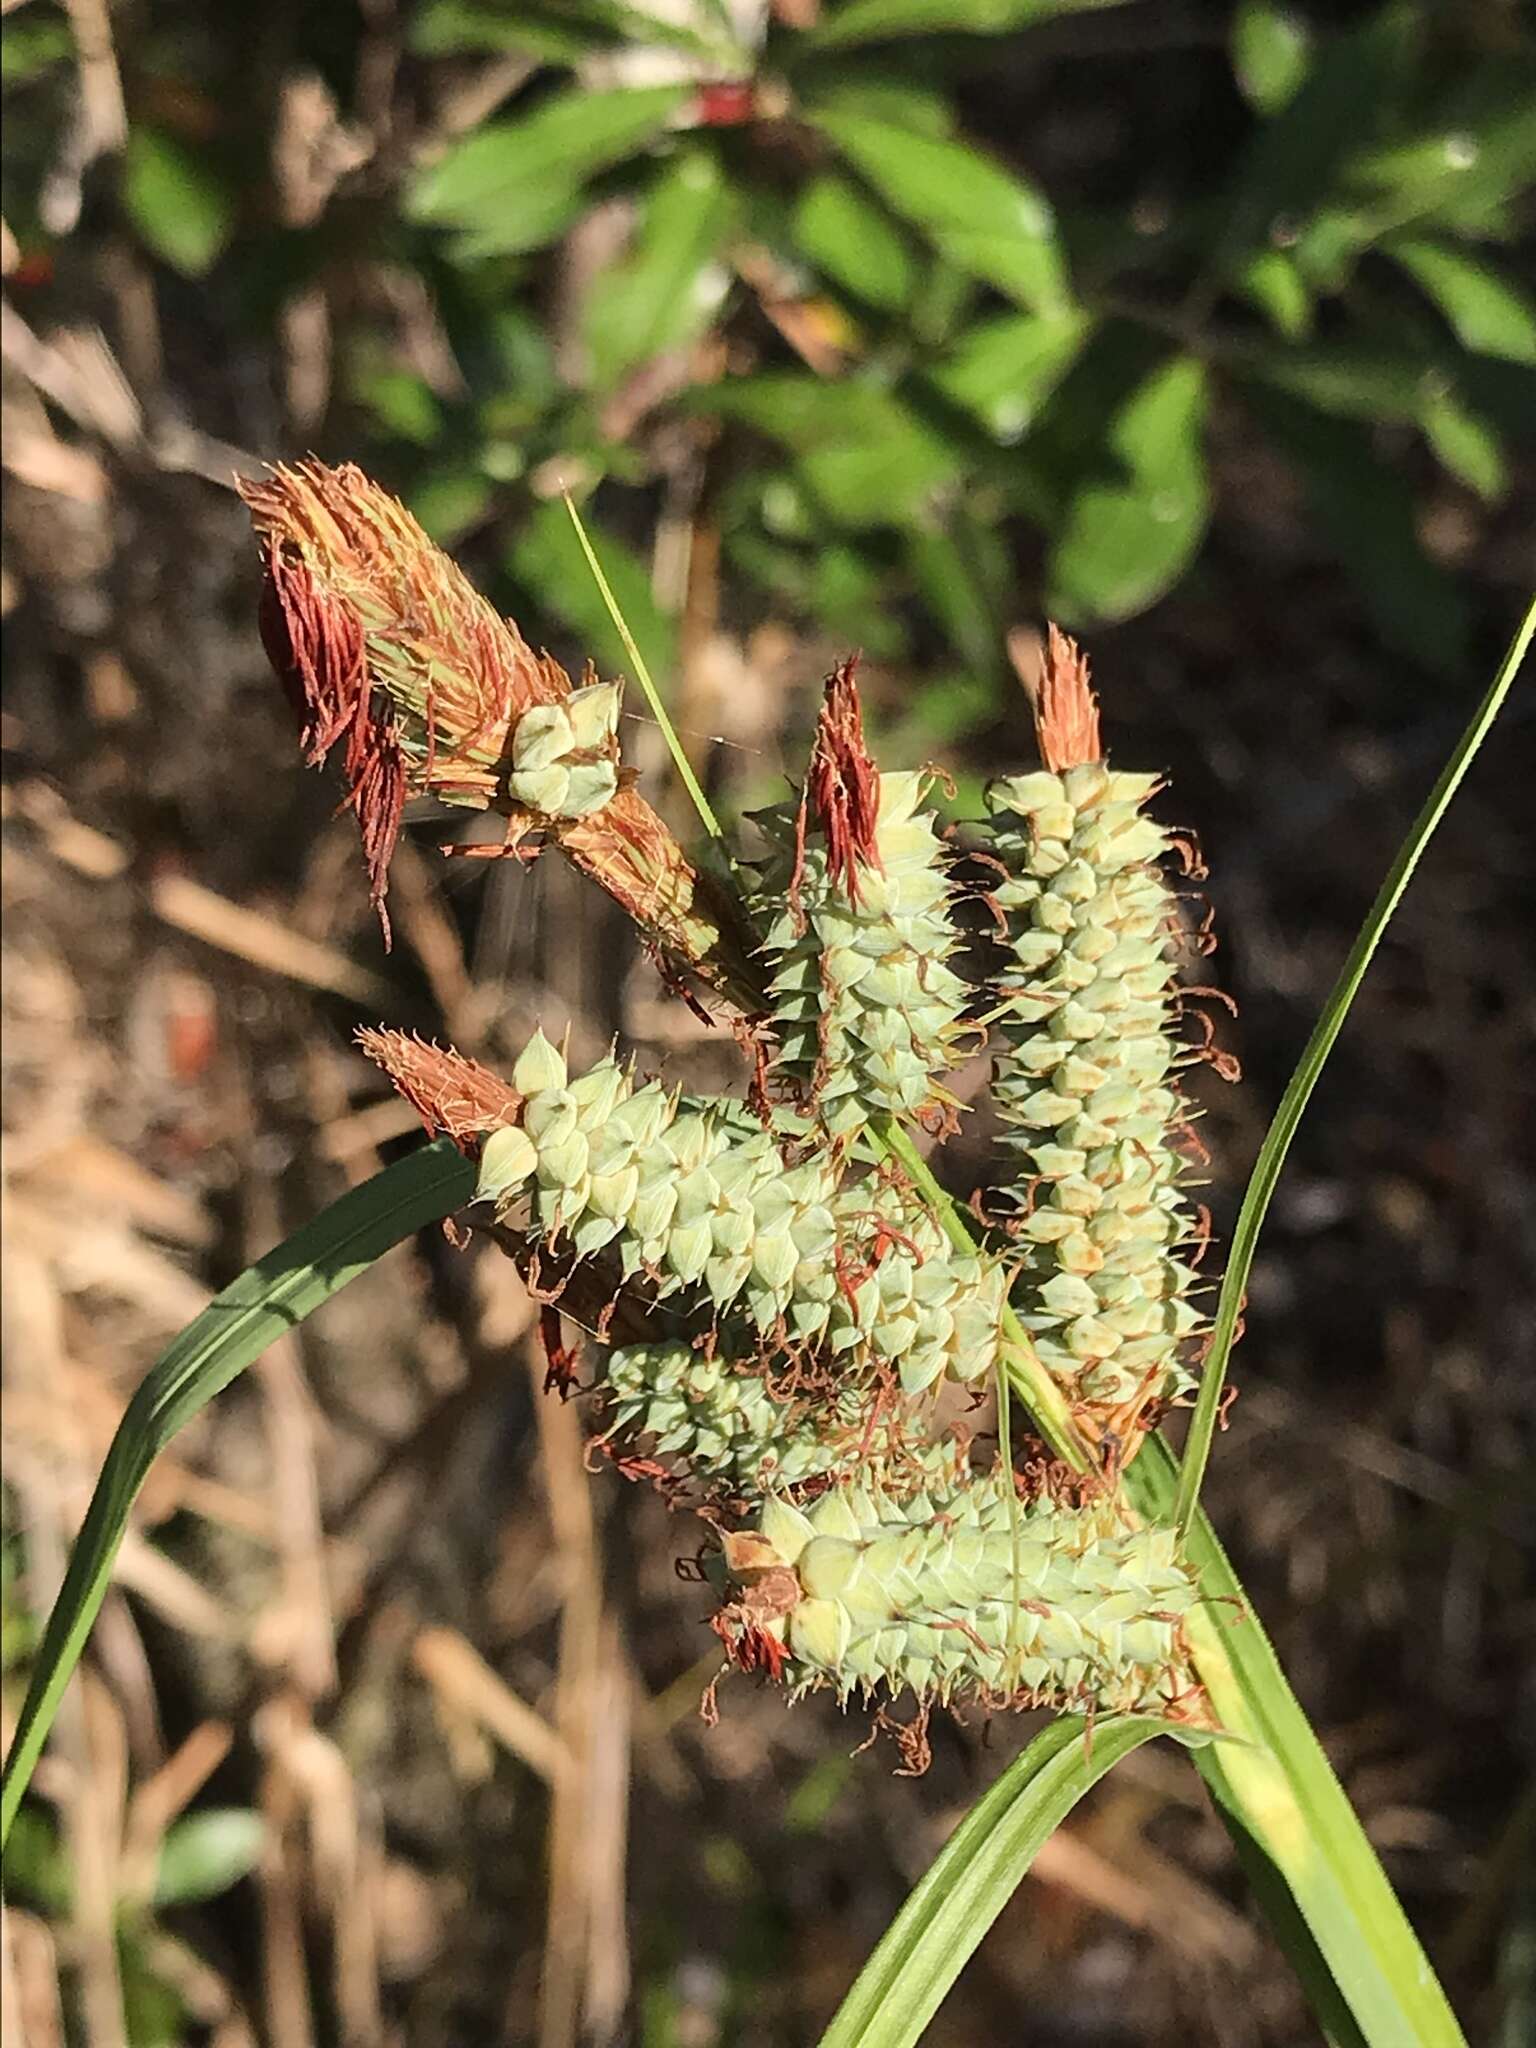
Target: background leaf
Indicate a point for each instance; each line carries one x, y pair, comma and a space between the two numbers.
1271, 49
985, 220
665, 292
206, 1852
853, 241
1132, 529
513, 183
1486, 311
877, 21
1365, 513
178, 204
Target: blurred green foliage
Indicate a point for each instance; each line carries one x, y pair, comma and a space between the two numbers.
802, 274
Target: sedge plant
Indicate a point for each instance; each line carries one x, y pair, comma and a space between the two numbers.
776, 1285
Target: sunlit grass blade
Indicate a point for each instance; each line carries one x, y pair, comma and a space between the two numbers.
653, 696
1271, 1159
1283, 1806
972, 1878
269, 1298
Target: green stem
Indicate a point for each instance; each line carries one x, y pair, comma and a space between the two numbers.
1045, 1400
680, 759
1266, 1173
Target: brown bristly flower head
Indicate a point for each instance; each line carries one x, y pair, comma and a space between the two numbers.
387, 650
842, 783
383, 643
455, 1097
1066, 711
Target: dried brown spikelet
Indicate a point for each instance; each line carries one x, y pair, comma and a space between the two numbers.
1066, 711
454, 1096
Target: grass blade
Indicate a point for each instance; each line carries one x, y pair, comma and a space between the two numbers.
653, 697
270, 1297
1271, 1159
1288, 1814
972, 1878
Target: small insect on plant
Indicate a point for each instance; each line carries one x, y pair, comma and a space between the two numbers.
768, 1301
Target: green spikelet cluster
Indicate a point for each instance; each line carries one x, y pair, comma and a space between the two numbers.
565, 756
929, 1310
937, 1593
698, 1197
694, 1194
791, 1302
854, 905
1084, 1085
716, 1418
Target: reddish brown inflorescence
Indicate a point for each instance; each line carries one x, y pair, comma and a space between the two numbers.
385, 647
387, 650
842, 782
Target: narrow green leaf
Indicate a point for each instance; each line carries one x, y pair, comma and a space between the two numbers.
1271, 49
515, 182
1278, 1796
986, 221
546, 558
1489, 316
973, 1877
1133, 530
880, 21
269, 1298
179, 206
671, 284
853, 241
206, 1852
1277, 1142
620, 623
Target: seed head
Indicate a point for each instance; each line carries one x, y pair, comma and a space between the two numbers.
386, 649
383, 643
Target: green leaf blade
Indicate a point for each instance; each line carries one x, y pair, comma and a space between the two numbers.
1133, 531
974, 1875
513, 183
671, 284
984, 219
1485, 311
179, 206
267, 1300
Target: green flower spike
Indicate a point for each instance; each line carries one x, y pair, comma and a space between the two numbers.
853, 901
880, 1588
1085, 1082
